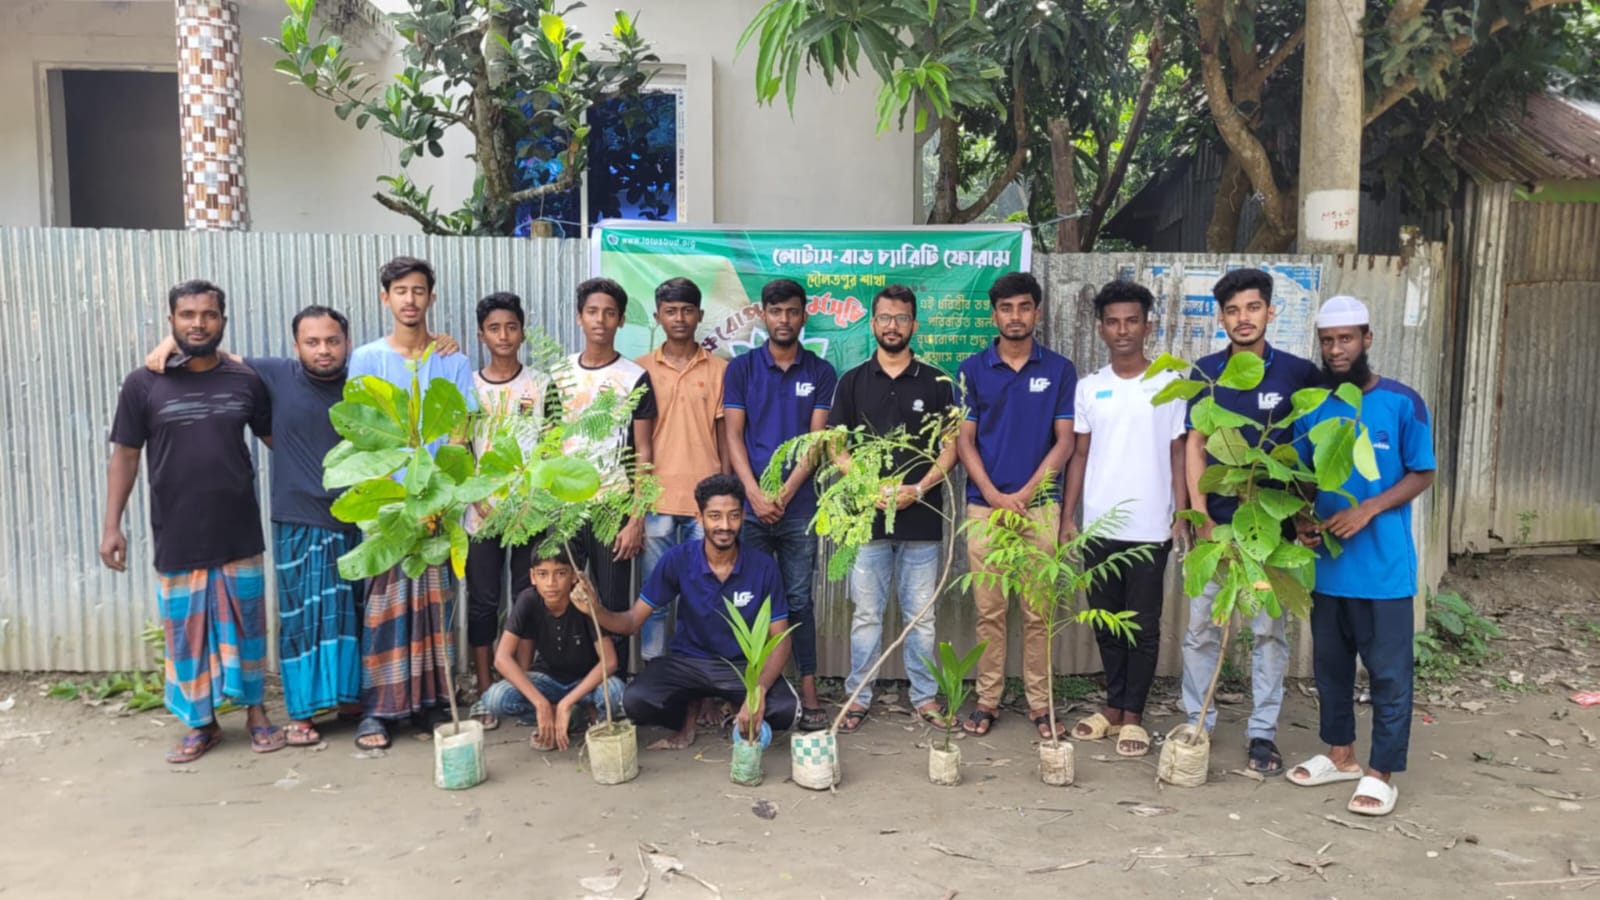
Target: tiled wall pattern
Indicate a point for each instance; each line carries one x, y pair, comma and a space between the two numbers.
211, 96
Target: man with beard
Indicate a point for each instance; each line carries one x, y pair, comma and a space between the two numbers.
1244, 307
1129, 457
688, 439
1017, 436
775, 392
895, 390
204, 518
700, 576
1362, 603
407, 622
319, 620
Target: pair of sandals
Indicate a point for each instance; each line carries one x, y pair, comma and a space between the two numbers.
263, 739
932, 713
981, 721
1321, 769
1132, 740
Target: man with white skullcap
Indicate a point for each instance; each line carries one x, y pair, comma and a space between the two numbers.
1362, 603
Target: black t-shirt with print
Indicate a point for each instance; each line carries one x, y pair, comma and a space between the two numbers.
565, 643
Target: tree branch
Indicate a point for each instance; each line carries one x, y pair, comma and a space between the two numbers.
1458, 48
1231, 124
565, 181
1106, 193
428, 222
1013, 165
1252, 82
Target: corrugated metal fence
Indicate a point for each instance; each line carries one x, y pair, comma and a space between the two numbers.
81, 308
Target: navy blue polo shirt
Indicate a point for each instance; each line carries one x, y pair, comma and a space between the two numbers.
1016, 413
684, 575
777, 405
1268, 402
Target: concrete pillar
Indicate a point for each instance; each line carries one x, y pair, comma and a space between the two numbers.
211, 115
1330, 127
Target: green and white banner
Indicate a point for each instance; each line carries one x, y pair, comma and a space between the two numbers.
949, 268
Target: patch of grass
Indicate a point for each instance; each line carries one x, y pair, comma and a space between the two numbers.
1592, 629
144, 690
1075, 687
1235, 676
1454, 637
1506, 685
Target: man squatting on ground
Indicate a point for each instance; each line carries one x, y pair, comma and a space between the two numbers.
1362, 603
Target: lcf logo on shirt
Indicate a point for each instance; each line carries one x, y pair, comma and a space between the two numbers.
804, 389
741, 599
1268, 400
1038, 385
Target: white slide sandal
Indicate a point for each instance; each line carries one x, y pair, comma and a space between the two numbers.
1374, 789
1321, 770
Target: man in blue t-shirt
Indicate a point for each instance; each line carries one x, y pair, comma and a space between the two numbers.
1363, 598
1244, 306
1016, 435
778, 391
702, 575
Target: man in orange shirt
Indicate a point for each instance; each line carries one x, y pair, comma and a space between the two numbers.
688, 438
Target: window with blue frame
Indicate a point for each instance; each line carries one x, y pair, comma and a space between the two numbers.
635, 167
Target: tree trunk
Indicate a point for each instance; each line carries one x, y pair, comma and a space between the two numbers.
1064, 184
1233, 191
1111, 185
944, 182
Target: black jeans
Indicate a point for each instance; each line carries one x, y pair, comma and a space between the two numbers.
660, 695
486, 566
612, 579
1130, 668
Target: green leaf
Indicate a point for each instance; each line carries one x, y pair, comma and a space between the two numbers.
414, 565
1364, 457
1177, 389
1214, 481
1351, 395
1278, 504
366, 427
443, 409
436, 549
1332, 545
1290, 593
425, 491
1166, 362
459, 542
1289, 555
1255, 532
553, 28
502, 458
570, 479
1306, 400
1193, 516
1334, 455
1208, 416
1228, 447
1199, 566
455, 462
475, 489
1243, 372
364, 501
346, 464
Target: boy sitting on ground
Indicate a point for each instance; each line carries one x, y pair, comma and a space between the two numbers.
570, 660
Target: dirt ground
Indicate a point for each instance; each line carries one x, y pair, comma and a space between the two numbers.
92, 809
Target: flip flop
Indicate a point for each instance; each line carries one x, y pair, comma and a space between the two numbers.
267, 739
1265, 758
1041, 723
852, 720
933, 715
369, 727
1321, 770
1099, 727
979, 722
301, 735
813, 719
1374, 789
487, 719
193, 746
1133, 734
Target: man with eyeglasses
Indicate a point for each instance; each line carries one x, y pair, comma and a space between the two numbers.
893, 389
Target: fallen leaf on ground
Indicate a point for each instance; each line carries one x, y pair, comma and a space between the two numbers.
766, 809
1549, 741
1148, 811
1266, 879
1246, 773
1554, 794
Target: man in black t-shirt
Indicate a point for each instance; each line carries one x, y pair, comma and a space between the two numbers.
893, 389
572, 665
204, 518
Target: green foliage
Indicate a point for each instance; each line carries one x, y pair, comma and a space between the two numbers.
510, 72
1047, 574
848, 496
145, 691
1454, 637
757, 644
950, 674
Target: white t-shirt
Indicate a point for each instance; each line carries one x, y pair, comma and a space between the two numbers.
580, 388
522, 395
1130, 456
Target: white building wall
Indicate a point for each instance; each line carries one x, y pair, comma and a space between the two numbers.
307, 171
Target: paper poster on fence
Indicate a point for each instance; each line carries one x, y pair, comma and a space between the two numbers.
950, 269
1296, 291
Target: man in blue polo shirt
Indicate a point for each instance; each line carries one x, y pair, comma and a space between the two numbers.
700, 575
773, 393
1244, 306
1017, 433
1363, 598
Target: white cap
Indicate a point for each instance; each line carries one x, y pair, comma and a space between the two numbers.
1342, 312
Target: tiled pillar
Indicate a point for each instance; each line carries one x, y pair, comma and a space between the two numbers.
211, 112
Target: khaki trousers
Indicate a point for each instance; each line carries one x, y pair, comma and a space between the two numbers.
992, 604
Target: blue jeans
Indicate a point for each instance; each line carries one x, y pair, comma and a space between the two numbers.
913, 567
661, 532
504, 700
1202, 650
792, 544
1379, 631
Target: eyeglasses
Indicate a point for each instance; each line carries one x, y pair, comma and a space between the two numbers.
885, 319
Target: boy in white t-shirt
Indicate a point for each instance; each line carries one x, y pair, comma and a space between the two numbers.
1129, 455
504, 387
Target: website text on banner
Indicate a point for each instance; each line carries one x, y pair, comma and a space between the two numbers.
950, 269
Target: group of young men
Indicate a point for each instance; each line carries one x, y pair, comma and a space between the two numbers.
1033, 438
